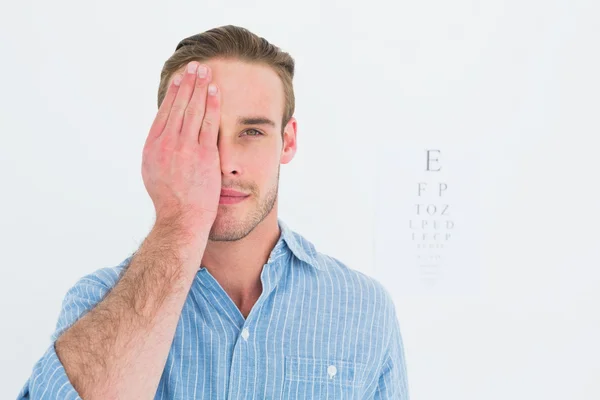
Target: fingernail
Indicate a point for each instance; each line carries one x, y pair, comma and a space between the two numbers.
202, 70
191, 68
212, 89
177, 80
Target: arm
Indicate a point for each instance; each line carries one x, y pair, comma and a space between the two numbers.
48, 375
393, 381
119, 347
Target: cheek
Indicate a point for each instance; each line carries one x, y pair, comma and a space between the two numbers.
263, 168
265, 160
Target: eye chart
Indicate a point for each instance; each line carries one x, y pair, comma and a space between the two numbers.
428, 219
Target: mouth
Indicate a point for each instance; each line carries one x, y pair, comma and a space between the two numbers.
232, 199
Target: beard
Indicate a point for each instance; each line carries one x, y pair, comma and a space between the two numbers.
233, 224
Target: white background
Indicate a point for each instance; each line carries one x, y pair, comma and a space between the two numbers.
514, 80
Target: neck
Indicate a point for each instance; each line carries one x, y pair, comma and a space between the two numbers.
237, 265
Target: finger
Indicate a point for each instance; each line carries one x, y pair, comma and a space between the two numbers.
209, 131
164, 110
194, 113
173, 127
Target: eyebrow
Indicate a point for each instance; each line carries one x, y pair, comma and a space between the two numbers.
255, 120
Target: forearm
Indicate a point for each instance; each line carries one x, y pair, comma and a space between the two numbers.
120, 347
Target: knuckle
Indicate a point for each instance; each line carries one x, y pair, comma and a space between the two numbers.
162, 115
178, 109
200, 83
208, 123
193, 110
165, 154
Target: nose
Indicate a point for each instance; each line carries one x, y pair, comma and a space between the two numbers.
230, 158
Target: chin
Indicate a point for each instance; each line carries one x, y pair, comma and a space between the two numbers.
219, 233
229, 225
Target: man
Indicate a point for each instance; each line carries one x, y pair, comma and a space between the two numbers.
223, 300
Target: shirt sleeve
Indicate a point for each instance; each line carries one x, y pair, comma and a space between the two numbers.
48, 379
393, 380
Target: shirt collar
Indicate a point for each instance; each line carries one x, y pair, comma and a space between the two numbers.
300, 247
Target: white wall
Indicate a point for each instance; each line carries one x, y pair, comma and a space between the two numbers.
506, 90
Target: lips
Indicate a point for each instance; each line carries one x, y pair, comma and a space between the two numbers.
232, 199
232, 193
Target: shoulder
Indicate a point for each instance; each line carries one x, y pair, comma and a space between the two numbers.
103, 278
357, 283
88, 291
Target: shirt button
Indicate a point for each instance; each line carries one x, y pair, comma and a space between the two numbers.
331, 371
245, 333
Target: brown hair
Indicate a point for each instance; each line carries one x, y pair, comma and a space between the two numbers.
230, 41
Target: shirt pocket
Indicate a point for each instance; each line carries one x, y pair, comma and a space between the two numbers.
321, 378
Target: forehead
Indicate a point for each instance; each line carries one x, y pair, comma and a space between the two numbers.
247, 89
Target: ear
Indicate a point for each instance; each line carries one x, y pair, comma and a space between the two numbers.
289, 141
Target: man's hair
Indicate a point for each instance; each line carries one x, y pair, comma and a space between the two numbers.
233, 42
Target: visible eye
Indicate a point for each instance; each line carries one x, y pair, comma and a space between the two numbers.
258, 133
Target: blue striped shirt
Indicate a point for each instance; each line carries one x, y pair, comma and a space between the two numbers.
319, 330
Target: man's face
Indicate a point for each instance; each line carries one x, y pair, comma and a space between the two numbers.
250, 153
